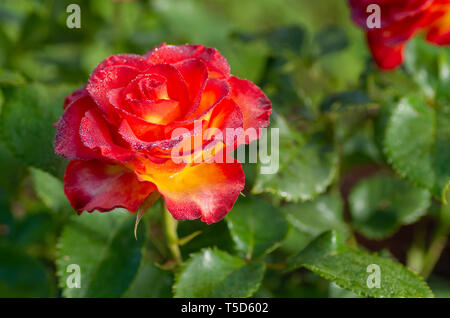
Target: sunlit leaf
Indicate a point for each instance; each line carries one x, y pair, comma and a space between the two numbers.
104, 248
312, 218
329, 257
305, 169
50, 190
381, 204
150, 282
26, 123
417, 143
252, 234
214, 273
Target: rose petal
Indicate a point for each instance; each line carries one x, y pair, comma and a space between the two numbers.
386, 57
146, 86
228, 118
105, 80
216, 63
67, 141
162, 111
95, 134
176, 86
222, 129
137, 144
79, 93
132, 60
143, 129
195, 74
399, 32
134, 98
214, 91
207, 191
439, 37
254, 104
439, 30
93, 185
391, 10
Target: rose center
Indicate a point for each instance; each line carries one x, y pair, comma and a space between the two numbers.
148, 98
153, 88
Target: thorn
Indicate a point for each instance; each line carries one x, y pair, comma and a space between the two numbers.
139, 216
151, 199
184, 240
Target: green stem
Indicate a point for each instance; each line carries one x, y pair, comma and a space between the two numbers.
434, 251
170, 230
438, 243
416, 253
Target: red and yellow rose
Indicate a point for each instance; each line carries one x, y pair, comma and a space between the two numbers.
117, 132
400, 21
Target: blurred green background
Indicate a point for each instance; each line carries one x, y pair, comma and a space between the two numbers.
311, 61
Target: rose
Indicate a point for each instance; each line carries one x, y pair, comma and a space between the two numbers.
400, 21
118, 132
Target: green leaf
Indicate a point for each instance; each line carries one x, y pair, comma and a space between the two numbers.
381, 204
35, 229
214, 273
50, 190
287, 38
334, 291
103, 246
331, 40
429, 66
440, 286
305, 169
417, 143
387, 87
8, 77
22, 275
216, 234
320, 215
150, 282
329, 257
26, 124
252, 234
12, 171
312, 218
345, 100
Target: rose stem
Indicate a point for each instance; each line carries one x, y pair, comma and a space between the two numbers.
438, 243
170, 229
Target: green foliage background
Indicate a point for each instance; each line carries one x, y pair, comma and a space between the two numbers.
364, 158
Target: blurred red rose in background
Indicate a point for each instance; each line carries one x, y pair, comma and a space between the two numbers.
117, 132
401, 20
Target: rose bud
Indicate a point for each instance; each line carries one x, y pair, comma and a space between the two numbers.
399, 21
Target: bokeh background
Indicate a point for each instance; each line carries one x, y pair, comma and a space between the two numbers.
307, 56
